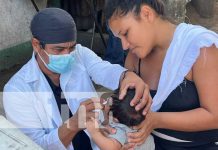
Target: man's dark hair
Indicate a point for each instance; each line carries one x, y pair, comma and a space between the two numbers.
125, 113
123, 7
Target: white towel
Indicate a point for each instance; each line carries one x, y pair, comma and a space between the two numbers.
181, 55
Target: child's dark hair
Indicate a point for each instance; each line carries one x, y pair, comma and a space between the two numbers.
125, 113
123, 7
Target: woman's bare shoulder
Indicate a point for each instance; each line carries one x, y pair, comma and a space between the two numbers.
205, 72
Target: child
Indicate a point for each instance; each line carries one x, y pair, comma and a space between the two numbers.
127, 117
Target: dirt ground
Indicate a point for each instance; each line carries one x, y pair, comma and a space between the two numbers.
194, 17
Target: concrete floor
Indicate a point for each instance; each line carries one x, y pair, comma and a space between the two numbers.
194, 18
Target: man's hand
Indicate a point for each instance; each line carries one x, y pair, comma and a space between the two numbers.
142, 96
85, 112
79, 120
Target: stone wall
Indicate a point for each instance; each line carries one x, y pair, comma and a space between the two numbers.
205, 8
175, 10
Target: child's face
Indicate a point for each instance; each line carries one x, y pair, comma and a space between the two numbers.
106, 103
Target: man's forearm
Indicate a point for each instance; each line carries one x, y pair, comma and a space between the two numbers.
68, 131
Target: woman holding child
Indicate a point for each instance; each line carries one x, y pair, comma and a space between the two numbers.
179, 64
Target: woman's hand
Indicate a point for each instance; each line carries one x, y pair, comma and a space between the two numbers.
142, 98
144, 129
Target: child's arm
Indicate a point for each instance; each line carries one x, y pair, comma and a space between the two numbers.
104, 143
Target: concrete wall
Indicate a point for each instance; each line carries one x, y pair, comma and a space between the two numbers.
15, 16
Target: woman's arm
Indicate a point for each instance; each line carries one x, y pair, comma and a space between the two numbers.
131, 64
205, 77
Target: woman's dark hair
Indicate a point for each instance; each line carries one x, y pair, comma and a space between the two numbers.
125, 113
123, 7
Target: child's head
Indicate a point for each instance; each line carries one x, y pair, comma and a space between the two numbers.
125, 113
